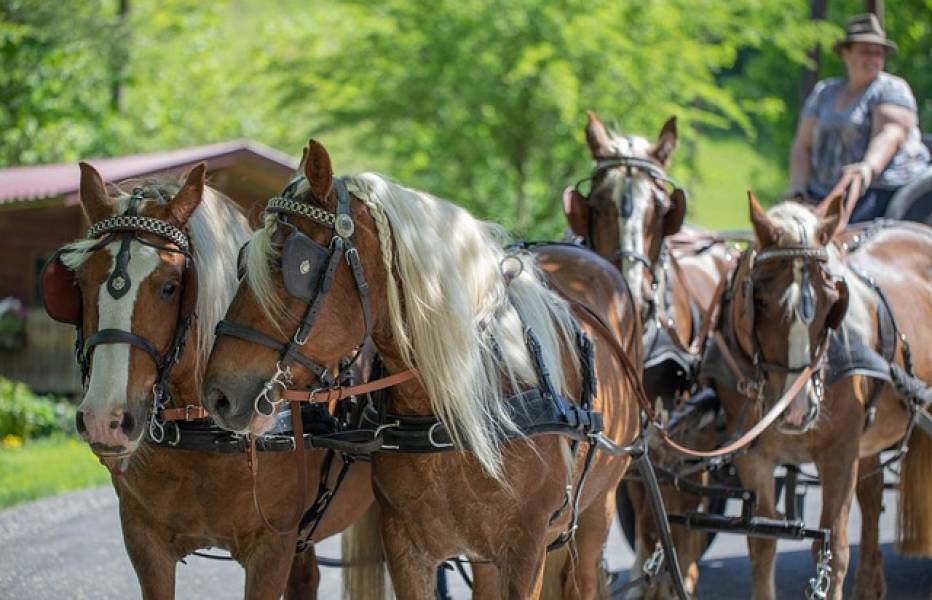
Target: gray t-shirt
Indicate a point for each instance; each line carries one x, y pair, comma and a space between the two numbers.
841, 137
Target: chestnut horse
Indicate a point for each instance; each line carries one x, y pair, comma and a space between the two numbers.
146, 289
633, 216
448, 302
797, 295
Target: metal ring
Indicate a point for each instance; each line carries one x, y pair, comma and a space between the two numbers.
430, 437
510, 275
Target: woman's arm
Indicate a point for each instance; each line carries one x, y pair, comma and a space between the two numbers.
890, 124
799, 155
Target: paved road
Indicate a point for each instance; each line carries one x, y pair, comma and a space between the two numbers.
70, 547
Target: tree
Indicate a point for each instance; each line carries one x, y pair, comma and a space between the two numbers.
484, 102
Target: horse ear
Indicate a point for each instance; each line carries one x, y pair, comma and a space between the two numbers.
318, 170
93, 193
596, 136
828, 225
764, 229
577, 212
673, 219
189, 197
666, 142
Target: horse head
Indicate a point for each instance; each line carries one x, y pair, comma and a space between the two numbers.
631, 204
130, 288
788, 301
302, 304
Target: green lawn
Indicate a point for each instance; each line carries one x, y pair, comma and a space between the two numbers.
47, 467
725, 169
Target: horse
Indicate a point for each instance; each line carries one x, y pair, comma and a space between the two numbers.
633, 216
466, 330
800, 295
145, 290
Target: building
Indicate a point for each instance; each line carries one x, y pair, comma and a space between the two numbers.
40, 211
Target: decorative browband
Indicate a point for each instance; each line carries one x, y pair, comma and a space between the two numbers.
136, 223
315, 213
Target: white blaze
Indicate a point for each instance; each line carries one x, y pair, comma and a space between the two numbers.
106, 389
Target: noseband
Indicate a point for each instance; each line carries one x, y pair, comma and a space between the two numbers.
308, 270
62, 297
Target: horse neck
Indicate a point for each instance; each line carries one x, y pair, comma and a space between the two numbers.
409, 397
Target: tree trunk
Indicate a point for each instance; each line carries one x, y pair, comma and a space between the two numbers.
811, 76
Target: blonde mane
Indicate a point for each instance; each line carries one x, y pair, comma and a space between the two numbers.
217, 230
453, 317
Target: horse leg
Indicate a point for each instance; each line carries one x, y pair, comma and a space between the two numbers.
267, 564
152, 558
756, 473
869, 579
485, 583
521, 571
585, 578
413, 572
837, 472
304, 576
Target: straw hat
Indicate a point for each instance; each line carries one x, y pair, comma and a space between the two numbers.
865, 28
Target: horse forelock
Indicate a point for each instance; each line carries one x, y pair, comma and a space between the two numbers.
450, 307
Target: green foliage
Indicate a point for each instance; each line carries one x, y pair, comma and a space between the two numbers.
484, 103
25, 415
56, 72
47, 467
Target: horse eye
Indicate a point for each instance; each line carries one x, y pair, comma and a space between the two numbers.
168, 289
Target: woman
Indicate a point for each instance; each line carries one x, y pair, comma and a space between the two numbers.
863, 124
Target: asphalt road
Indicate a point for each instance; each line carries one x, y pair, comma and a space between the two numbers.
70, 547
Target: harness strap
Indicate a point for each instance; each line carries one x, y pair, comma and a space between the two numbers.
229, 328
301, 464
765, 422
331, 396
118, 336
190, 412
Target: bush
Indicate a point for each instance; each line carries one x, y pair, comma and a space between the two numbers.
26, 415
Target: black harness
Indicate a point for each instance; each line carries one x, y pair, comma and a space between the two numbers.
308, 270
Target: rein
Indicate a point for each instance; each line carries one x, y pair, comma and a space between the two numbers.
747, 387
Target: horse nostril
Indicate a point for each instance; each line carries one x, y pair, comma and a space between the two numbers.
79, 423
218, 400
128, 424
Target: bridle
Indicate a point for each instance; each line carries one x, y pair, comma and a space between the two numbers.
662, 196
752, 260
308, 270
62, 298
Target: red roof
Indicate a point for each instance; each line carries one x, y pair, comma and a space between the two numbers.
49, 181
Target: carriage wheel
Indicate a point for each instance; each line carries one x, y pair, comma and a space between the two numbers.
625, 510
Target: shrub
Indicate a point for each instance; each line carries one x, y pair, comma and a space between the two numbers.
26, 415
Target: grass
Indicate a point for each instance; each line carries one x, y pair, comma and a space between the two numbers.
46, 467
725, 169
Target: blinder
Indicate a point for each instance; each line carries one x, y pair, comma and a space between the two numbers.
303, 264
670, 197
60, 293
